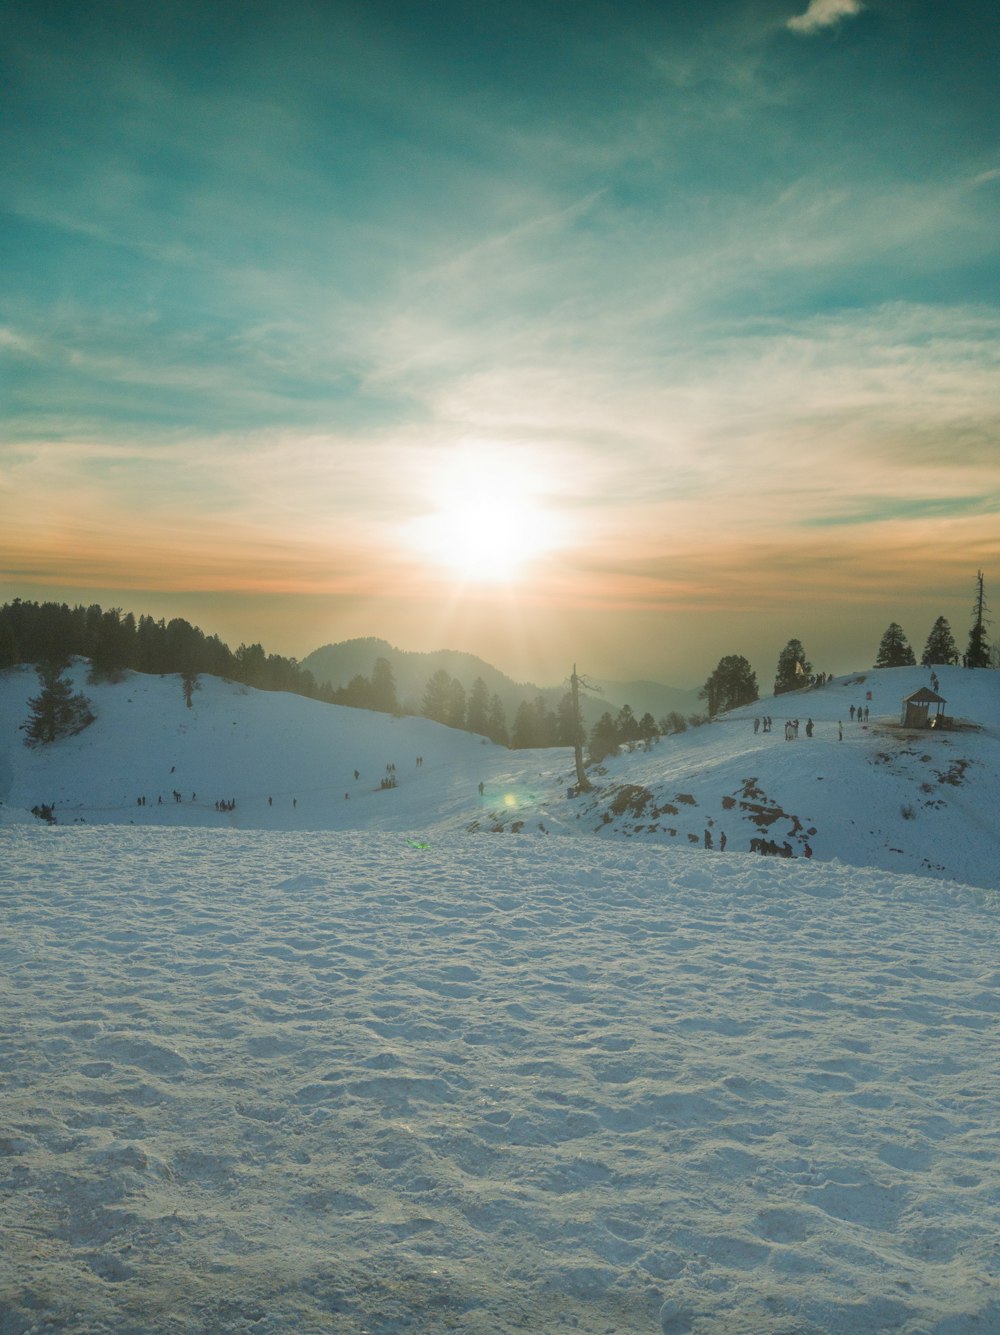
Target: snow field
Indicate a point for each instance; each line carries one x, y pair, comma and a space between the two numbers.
261, 1081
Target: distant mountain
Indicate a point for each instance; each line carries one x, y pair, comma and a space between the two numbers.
336, 664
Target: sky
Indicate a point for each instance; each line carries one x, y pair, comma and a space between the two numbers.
632, 335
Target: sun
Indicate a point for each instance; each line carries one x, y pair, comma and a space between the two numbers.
485, 528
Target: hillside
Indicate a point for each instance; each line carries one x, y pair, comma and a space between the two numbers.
336, 664
882, 797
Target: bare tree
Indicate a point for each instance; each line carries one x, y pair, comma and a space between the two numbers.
576, 684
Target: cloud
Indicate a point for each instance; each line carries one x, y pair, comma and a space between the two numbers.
824, 14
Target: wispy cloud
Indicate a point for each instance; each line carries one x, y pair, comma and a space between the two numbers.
824, 14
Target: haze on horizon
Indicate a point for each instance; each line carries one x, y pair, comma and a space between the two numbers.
632, 336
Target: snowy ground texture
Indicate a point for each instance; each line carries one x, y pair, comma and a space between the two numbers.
256, 1081
363, 1060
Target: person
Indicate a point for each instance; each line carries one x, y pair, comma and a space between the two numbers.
809, 727
756, 725
722, 842
482, 788
840, 731
708, 838
852, 713
807, 851
866, 713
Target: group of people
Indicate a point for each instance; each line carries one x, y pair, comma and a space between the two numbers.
861, 711
769, 848
791, 727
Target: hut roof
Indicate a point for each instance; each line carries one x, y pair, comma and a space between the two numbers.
925, 696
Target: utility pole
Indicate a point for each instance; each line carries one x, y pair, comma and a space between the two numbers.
582, 782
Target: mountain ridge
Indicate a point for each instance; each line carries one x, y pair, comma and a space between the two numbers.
335, 664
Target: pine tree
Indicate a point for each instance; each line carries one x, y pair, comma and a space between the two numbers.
627, 725
940, 647
477, 714
383, 688
733, 683
525, 731
437, 697
534, 725
793, 669
567, 732
603, 737
894, 649
456, 704
496, 729
55, 711
189, 684
647, 727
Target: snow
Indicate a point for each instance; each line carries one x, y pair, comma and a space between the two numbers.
285, 1069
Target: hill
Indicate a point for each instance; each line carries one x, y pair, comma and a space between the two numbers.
336, 664
882, 797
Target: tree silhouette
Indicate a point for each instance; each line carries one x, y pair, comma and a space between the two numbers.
496, 729
793, 669
733, 683
603, 737
978, 653
383, 688
940, 647
436, 703
477, 713
894, 649
55, 712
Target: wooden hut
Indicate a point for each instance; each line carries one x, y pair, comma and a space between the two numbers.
918, 706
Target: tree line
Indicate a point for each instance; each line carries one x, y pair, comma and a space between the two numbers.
115, 641
734, 682
50, 634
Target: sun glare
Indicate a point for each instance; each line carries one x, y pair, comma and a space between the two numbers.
485, 528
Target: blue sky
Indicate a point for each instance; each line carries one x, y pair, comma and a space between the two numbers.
706, 294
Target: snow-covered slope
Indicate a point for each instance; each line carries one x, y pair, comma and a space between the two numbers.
333, 1063
913, 802
866, 793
